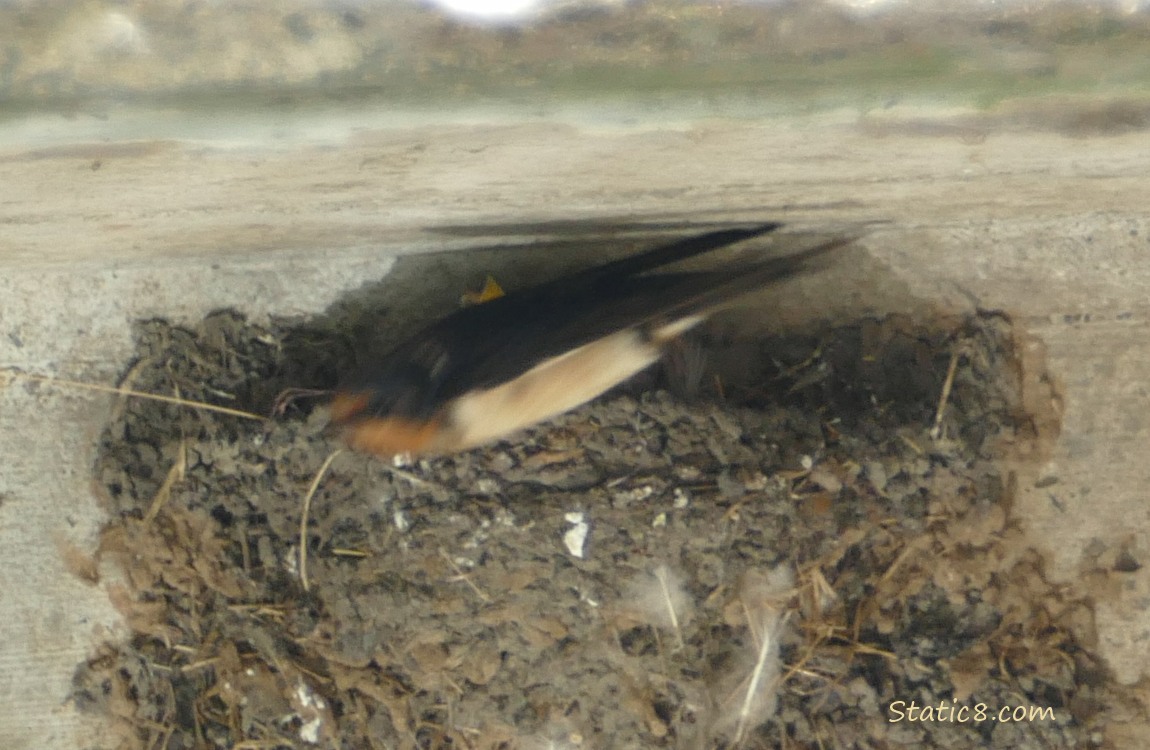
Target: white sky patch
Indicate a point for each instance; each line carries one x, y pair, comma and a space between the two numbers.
492, 10
119, 33
513, 11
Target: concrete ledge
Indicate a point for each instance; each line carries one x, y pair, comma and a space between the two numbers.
1049, 228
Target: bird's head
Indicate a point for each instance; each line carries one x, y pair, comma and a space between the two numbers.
392, 413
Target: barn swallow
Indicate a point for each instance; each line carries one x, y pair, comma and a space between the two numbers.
491, 369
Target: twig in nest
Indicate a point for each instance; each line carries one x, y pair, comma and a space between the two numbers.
175, 474
304, 516
415, 480
907, 552
126, 383
62, 383
461, 576
944, 397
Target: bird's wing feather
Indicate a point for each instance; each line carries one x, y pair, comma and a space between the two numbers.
484, 355
433, 358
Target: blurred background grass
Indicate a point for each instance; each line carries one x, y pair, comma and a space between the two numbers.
1072, 67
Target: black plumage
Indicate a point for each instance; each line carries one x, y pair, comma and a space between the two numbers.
483, 347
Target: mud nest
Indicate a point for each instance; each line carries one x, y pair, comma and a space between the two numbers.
788, 559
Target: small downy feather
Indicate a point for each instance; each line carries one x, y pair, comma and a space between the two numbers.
660, 599
762, 597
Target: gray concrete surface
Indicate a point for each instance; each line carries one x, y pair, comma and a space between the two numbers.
1051, 228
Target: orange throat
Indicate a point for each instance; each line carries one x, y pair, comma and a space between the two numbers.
389, 436
382, 436
345, 406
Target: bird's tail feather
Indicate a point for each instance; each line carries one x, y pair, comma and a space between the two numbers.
724, 287
672, 253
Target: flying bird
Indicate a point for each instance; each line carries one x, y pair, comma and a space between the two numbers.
488, 370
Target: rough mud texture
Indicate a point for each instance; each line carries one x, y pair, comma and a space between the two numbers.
772, 564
